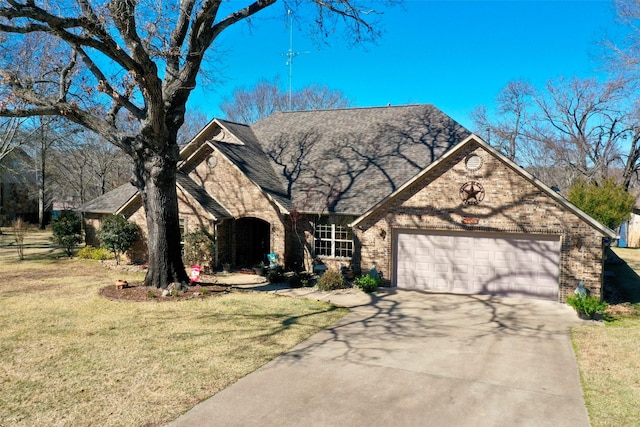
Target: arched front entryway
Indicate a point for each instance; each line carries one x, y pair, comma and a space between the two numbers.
253, 241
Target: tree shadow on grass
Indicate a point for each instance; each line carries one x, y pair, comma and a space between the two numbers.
622, 282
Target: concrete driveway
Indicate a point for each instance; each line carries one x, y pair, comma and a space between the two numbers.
404, 358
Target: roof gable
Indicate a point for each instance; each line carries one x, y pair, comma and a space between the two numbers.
254, 164
216, 130
238, 144
112, 201
474, 139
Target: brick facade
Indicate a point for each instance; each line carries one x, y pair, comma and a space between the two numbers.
244, 199
512, 204
261, 218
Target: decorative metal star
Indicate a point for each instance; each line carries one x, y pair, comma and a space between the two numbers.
471, 193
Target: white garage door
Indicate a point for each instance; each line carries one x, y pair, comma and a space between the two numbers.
475, 263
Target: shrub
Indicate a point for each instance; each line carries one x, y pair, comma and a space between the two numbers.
199, 248
67, 230
85, 253
587, 305
367, 283
276, 275
331, 280
101, 254
607, 201
302, 280
118, 235
89, 252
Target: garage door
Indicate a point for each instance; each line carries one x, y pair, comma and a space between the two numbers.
474, 263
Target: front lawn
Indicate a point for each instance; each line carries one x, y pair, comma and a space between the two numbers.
608, 355
71, 357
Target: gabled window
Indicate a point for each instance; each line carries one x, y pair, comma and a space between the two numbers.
333, 238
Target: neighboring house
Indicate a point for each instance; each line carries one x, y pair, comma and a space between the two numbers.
405, 188
630, 230
16, 188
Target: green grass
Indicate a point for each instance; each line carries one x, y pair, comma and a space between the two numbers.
72, 358
607, 354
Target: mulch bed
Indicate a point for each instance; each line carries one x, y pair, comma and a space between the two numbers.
618, 303
137, 292
208, 287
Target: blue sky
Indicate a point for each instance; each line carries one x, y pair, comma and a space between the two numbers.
453, 54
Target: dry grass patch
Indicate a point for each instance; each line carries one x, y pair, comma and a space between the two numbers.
71, 357
610, 371
607, 353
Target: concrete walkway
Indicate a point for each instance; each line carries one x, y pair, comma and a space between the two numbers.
403, 358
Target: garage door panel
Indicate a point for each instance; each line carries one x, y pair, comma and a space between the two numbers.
423, 268
481, 270
525, 257
462, 253
438, 283
502, 256
476, 263
481, 253
440, 267
442, 253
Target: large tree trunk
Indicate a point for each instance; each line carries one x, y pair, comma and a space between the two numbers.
160, 202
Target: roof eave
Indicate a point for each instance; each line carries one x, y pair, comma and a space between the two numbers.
212, 217
127, 204
281, 207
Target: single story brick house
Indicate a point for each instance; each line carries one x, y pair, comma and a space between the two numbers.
404, 188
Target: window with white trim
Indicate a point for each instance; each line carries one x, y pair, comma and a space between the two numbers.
333, 239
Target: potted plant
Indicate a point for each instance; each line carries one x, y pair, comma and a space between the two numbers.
259, 268
226, 266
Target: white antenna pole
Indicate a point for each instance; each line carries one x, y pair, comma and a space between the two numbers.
290, 55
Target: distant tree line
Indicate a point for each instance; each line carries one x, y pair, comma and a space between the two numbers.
581, 135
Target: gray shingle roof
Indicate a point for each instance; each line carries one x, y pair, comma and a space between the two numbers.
253, 162
346, 160
110, 202
202, 197
342, 161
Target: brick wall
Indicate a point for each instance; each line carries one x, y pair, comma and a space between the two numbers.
233, 190
230, 187
511, 204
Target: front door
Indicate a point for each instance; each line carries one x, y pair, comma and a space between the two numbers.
253, 241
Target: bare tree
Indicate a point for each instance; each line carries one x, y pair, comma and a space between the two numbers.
194, 122
86, 167
248, 105
576, 128
109, 62
624, 59
506, 133
48, 133
10, 137
582, 124
626, 50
